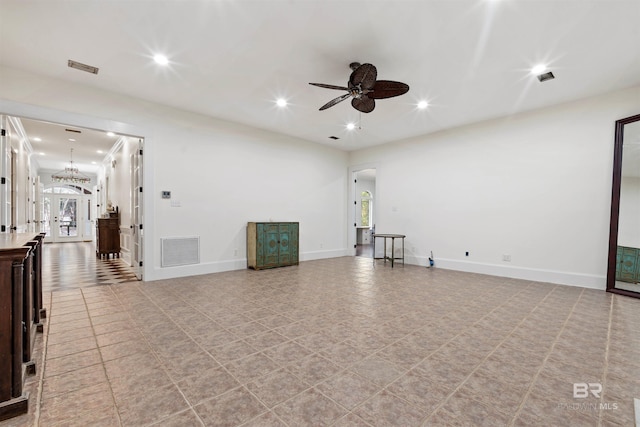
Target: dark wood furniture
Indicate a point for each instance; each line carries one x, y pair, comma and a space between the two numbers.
272, 244
393, 256
21, 312
108, 237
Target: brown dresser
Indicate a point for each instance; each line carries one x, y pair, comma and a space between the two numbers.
108, 237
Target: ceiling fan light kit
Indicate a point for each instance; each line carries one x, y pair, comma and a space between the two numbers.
364, 88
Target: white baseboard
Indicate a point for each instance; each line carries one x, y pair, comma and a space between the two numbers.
334, 253
524, 273
229, 265
538, 275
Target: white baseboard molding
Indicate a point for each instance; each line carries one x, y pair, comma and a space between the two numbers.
228, 265
333, 253
558, 277
523, 273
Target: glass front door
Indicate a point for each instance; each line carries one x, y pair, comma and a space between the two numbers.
63, 218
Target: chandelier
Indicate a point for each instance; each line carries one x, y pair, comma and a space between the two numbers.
70, 174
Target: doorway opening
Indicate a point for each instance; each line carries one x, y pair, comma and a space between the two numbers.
364, 211
67, 214
67, 211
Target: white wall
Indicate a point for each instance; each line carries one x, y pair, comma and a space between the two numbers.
222, 174
535, 186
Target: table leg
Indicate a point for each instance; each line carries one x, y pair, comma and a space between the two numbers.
393, 250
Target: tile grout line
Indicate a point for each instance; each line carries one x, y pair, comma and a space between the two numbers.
45, 341
606, 353
104, 368
555, 341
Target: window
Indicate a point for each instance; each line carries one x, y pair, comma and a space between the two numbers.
366, 203
66, 189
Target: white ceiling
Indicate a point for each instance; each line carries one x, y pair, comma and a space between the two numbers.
231, 59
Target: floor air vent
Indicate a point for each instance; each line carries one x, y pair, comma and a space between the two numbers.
176, 251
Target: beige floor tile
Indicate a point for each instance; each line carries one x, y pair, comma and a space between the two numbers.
335, 342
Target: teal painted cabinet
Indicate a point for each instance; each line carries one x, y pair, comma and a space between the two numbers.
628, 264
272, 244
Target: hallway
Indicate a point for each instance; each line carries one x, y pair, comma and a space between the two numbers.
75, 265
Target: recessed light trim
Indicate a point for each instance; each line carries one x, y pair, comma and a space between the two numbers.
423, 104
351, 126
37, 139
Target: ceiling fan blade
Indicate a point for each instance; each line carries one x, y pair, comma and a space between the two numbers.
335, 101
388, 89
365, 76
363, 104
329, 86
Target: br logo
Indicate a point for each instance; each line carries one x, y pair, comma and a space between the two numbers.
582, 390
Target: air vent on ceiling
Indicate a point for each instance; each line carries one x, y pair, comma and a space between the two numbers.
333, 137
546, 76
73, 130
82, 67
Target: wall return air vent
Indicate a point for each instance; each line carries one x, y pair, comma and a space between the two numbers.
176, 251
82, 67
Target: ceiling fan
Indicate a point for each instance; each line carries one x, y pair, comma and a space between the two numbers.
364, 88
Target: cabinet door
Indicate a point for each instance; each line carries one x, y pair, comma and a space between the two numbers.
289, 243
284, 232
271, 239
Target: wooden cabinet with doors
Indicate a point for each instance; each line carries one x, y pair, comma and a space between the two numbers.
108, 237
272, 244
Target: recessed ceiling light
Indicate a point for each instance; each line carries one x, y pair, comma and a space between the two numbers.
281, 102
37, 139
42, 154
161, 59
351, 126
538, 69
423, 104
72, 140
99, 151
111, 134
94, 163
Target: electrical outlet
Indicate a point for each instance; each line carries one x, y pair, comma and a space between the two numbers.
506, 258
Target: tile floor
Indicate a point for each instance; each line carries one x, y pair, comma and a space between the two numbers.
81, 267
336, 342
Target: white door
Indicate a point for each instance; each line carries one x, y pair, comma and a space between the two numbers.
136, 212
64, 218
